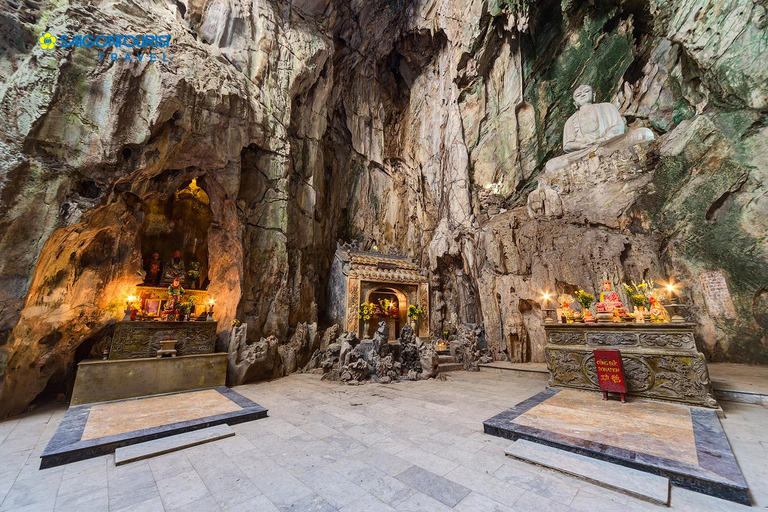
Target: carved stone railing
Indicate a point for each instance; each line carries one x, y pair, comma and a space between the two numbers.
133, 340
660, 360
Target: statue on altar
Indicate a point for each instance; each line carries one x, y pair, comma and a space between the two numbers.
175, 293
610, 301
594, 128
153, 267
175, 269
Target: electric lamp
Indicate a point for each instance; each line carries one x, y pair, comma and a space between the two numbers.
545, 298
674, 302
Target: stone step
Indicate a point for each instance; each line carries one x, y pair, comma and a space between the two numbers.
446, 359
639, 484
171, 444
450, 367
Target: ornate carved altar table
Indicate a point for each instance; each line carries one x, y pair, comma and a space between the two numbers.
660, 360
133, 340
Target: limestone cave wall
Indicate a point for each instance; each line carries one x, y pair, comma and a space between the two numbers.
417, 124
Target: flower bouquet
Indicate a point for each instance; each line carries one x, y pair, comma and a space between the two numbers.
586, 300
366, 310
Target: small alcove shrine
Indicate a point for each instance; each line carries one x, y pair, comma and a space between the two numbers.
391, 282
174, 244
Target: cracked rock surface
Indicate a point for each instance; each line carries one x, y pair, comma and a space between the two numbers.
418, 124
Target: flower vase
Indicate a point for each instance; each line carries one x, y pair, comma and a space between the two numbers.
639, 314
365, 329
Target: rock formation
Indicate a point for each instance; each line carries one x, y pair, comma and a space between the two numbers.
420, 124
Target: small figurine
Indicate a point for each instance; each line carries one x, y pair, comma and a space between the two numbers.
175, 293
659, 314
174, 269
153, 267
566, 311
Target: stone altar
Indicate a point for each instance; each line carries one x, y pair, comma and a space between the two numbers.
133, 340
660, 360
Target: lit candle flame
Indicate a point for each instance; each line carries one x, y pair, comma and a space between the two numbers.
131, 298
671, 286
546, 296
211, 301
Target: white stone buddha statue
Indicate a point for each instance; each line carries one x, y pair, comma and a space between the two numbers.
594, 128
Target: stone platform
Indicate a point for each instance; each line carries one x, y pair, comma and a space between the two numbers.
102, 381
97, 429
685, 444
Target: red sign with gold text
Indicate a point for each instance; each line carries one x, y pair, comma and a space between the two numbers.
610, 372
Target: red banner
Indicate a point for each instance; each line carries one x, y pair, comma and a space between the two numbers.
610, 372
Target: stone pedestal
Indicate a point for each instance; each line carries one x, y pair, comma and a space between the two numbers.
101, 381
134, 340
660, 360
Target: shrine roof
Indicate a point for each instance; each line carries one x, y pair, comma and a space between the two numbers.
377, 266
371, 273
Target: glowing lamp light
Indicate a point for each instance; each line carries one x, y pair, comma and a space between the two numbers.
545, 298
130, 300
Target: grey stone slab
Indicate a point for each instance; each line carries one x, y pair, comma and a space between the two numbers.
332, 487
716, 473
635, 483
444, 491
420, 502
310, 503
171, 444
281, 487
367, 503
385, 488
475, 502
182, 489
68, 446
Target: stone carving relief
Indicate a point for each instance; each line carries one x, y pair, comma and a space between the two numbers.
566, 338
681, 340
701, 379
565, 369
544, 202
612, 338
134, 340
353, 302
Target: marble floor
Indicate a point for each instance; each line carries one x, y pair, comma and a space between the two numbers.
410, 446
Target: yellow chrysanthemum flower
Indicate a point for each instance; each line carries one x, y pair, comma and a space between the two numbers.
47, 41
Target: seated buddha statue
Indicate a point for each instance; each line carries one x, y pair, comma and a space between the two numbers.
174, 269
610, 299
594, 128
